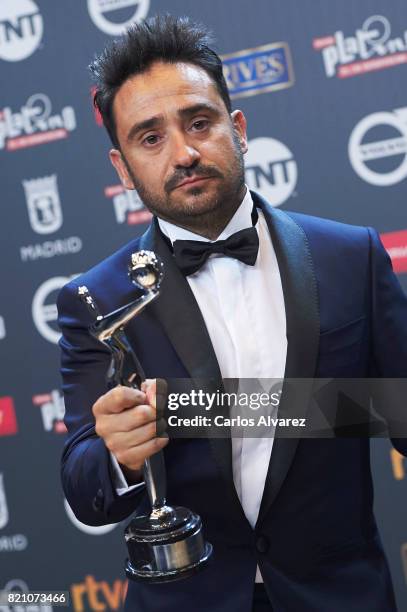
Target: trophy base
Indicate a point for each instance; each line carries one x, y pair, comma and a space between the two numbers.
145, 574
166, 546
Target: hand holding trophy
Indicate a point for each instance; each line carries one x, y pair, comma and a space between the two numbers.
167, 544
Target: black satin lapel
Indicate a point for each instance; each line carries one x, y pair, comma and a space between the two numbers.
178, 312
302, 316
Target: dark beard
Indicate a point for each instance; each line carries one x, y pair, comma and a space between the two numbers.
217, 212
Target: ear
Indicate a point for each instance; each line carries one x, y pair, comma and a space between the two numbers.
239, 125
118, 162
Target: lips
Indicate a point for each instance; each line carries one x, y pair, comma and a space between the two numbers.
193, 180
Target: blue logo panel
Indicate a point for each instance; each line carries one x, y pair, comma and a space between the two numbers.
259, 70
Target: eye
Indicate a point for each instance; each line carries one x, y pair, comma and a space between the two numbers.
152, 139
200, 125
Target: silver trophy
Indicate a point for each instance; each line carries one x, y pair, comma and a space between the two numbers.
168, 543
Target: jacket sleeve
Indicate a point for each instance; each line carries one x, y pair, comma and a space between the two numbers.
86, 469
389, 341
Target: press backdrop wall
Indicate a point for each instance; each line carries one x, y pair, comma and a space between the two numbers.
323, 85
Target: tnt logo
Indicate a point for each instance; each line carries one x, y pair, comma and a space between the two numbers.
94, 595
52, 410
21, 29
271, 169
8, 421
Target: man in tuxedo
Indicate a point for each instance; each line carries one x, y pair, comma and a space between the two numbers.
249, 292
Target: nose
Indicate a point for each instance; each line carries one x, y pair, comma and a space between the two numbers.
183, 153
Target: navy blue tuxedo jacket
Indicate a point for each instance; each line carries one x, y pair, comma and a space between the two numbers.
316, 539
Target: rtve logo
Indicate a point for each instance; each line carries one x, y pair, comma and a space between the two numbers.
94, 595
397, 461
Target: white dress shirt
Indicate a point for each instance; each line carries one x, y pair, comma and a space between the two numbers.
243, 309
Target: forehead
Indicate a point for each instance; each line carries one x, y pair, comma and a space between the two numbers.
164, 87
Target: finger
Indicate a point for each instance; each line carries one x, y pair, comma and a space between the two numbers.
118, 399
149, 386
132, 418
135, 456
124, 440
156, 390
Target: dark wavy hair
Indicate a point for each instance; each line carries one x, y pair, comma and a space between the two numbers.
162, 38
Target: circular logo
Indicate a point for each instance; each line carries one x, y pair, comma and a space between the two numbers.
21, 29
271, 169
362, 152
45, 314
86, 528
108, 15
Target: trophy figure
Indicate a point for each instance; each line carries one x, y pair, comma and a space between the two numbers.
168, 543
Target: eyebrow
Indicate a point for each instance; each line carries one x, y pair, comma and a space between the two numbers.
183, 113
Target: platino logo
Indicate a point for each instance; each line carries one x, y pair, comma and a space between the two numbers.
3, 504
34, 124
43, 203
370, 49
87, 528
271, 169
127, 205
395, 244
100, 12
21, 29
45, 314
52, 410
365, 156
8, 420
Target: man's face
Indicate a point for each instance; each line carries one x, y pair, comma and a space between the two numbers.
180, 148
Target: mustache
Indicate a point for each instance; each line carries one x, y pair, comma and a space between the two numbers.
193, 171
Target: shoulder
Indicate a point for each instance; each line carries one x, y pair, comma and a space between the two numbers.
326, 229
334, 246
331, 238
318, 230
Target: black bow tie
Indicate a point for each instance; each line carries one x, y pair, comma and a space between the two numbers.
190, 255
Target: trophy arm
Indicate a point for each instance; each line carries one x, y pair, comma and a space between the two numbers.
127, 371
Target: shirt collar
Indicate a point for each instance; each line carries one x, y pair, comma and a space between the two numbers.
240, 220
